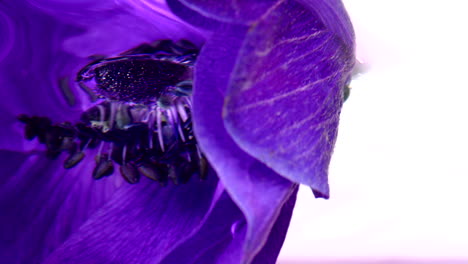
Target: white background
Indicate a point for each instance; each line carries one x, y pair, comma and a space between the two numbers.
399, 176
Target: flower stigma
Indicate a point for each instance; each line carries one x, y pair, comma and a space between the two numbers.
141, 119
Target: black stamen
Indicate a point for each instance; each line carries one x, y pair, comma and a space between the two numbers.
74, 159
104, 167
153, 172
130, 173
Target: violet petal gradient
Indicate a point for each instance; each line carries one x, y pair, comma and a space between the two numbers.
224, 230
334, 17
141, 224
41, 204
225, 11
208, 14
215, 235
271, 249
191, 16
257, 190
285, 94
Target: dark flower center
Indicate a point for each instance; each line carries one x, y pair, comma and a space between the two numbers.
142, 121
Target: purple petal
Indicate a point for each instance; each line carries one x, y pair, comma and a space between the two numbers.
141, 224
213, 237
208, 14
270, 251
257, 190
32, 67
271, 247
226, 11
286, 91
334, 17
115, 26
224, 233
28, 76
191, 16
42, 204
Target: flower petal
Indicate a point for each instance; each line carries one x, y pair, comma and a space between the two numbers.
191, 16
223, 233
29, 78
334, 17
286, 91
213, 237
42, 204
115, 26
257, 190
271, 250
225, 11
141, 224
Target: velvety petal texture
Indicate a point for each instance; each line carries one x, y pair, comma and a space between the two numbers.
284, 91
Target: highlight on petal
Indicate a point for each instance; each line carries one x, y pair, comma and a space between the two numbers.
191, 16
257, 190
225, 11
286, 91
110, 27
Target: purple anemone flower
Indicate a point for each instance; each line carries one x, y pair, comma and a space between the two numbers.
212, 111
